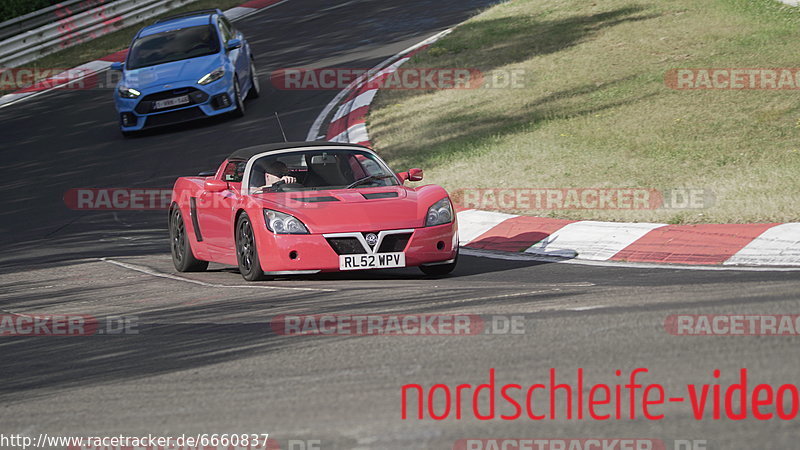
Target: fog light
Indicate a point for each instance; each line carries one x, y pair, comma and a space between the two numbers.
293, 254
221, 101
127, 119
440, 245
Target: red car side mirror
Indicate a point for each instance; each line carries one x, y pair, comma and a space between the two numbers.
415, 175
215, 185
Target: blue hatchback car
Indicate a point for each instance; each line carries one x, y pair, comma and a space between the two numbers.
185, 67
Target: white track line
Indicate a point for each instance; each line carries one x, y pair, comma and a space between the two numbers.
586, 308
147, 271
495, 297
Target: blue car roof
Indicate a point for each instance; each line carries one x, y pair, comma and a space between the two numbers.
175, 24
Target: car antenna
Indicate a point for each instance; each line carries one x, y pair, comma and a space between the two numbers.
281, 126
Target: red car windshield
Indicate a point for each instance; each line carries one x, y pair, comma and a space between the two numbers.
319, 169
173, 45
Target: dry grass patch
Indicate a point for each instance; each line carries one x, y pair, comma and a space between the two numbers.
594, 110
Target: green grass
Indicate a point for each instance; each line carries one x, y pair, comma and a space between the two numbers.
594, 110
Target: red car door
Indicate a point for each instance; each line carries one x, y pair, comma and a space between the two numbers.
215, 211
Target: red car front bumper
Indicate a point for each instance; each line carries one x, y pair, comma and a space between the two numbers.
313, 252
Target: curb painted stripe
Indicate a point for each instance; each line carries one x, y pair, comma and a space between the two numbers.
596, 241
342, 128
358, 133
353, 135
238, 11
692, 244
315, 132
364, 99
351, 113
344, 136
777, 246
472, 223
343, 124
258, 4
517, 234
116, 56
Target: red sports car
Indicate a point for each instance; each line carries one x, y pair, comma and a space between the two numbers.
308, 207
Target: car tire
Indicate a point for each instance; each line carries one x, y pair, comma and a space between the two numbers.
255, 85
238, 99
440, 270
246, 250
182, 256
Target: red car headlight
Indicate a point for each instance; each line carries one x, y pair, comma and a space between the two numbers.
282, 223
440, 213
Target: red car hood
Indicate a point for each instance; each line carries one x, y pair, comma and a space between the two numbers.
337, 211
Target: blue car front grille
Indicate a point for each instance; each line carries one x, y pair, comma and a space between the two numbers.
147, 104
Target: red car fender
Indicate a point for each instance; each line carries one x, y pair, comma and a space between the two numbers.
184, 190
428, 195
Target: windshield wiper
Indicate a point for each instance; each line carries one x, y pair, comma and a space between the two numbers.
368, 179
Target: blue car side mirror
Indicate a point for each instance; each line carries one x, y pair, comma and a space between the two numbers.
233, 44
118, 66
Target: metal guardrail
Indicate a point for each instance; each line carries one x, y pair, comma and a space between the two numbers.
47, 15
100, 18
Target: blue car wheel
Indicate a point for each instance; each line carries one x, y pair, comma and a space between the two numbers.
239, 98
255, 86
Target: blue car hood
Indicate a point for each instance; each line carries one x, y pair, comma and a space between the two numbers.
185, 70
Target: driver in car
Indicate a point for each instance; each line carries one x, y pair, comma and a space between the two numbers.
275, 172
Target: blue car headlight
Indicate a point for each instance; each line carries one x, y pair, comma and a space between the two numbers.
126, 92
282, 223
212, 77
440, 213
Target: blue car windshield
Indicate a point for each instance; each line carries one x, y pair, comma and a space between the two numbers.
173, 45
